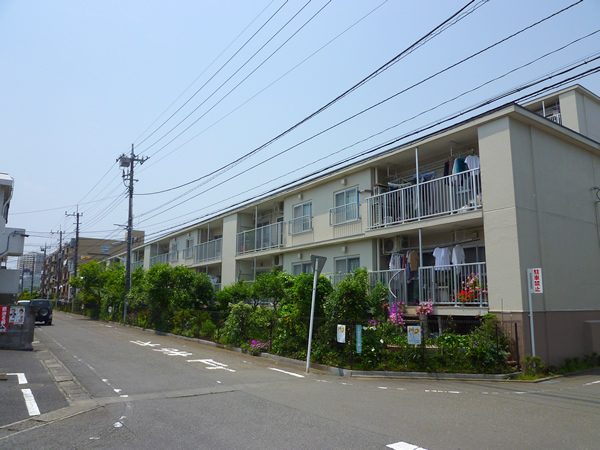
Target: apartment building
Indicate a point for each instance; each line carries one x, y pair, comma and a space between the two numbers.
59, 266
459, 217
12, 242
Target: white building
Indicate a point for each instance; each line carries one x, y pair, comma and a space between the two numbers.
512, 189
12, 241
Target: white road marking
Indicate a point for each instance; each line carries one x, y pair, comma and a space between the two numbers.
32, 407
586, 384
118, 391
404, 446
172, 352
212, 364
118, 425
144, 344
289, 373
20, 376
382, 387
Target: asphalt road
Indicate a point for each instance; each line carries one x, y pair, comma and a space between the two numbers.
100, 385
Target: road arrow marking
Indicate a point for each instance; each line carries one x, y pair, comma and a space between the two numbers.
144, 344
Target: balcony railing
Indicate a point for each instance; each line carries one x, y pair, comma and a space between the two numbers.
443, 196
343, 214
300, 225
461, 284
174, 256
208, 250
262, 238
135, 265
159, 259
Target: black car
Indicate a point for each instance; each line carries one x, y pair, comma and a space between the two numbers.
43, 309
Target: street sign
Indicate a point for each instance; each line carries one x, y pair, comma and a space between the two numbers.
317, 263
358, 338
536, 286
341, 334
414, 335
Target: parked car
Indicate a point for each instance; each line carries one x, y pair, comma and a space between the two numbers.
43, 309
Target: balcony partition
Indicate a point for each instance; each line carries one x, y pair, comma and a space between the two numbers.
208, 250
452, 194
262, 238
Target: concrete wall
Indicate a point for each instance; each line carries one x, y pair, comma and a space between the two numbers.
581, 113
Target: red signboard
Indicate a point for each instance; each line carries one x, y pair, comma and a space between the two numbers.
3, 318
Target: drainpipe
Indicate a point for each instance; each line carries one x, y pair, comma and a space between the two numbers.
597, 189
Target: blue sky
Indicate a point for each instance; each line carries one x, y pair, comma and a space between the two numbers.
83, 81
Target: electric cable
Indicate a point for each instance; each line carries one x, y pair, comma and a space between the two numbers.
348, 91
156, 161
415, 132
362, 112
210, 79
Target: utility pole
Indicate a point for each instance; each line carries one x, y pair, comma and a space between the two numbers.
60, 266
76, 258
129, 163
43, 276
33, 272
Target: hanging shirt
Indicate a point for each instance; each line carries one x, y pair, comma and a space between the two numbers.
472, 162
458, 255
442, 257
413, 261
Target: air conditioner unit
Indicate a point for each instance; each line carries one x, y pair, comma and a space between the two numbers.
276, 260
395, 244
278, 207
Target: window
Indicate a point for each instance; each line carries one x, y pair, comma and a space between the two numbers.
301, 267
188, 252
345, 206
347, 265
302, 220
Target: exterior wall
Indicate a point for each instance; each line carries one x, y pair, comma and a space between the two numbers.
363, 248
500, 217
539, 212
581, 113
322, 198
230, 229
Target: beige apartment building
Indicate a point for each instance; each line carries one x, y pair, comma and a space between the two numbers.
481, 202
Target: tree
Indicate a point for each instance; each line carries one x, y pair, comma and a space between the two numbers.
90, 282
273, 285
350, 302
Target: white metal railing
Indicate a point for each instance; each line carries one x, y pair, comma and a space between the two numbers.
343, 214
461, 284
188, 253
262, 238
135, 265
174, 256
159, 259
207, 251
555, 118
300, 225
442, 196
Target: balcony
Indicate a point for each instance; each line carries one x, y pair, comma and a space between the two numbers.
344, 214
159, 259
208, 251
300, 225
262, 238
461, 284
442, 196
455, 285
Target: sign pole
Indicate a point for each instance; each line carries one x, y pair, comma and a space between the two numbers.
530, 289
317, 264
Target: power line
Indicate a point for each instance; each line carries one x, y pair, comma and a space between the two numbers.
202, 87
214, 174
345, 93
